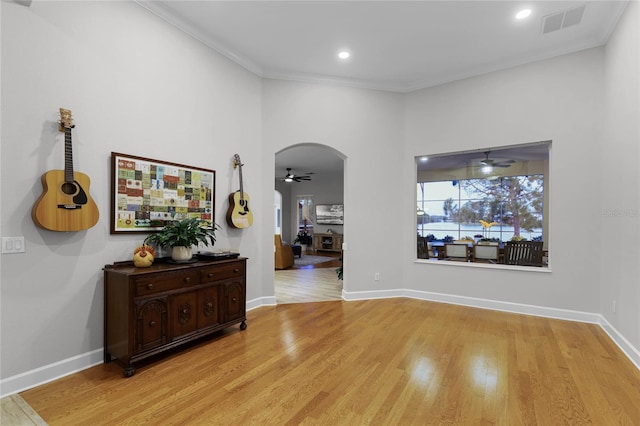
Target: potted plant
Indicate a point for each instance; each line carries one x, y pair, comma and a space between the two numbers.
181, 235
303, 239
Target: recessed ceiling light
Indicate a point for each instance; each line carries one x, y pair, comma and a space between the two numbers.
343, 54
424, 159
523, 14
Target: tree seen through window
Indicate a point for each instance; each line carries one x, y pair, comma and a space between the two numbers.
513, 204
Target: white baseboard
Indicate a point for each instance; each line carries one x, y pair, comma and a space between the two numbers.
48, 373
629, 350
261, 301
540, 311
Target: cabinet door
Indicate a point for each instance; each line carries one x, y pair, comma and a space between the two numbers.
208, 306
183, 313
151, 324
234, 300
337, 242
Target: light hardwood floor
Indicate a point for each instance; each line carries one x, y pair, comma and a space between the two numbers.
312, 283
384, 362
307, 285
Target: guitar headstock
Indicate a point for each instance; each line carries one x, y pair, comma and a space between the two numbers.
66, 120
236, 161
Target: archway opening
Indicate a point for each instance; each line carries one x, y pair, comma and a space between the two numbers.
309, 177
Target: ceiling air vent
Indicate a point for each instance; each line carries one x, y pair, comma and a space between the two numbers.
564, 19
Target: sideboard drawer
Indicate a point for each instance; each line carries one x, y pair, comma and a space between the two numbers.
222, 272
157, 283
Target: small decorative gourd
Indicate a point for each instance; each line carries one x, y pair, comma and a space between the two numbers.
143, 256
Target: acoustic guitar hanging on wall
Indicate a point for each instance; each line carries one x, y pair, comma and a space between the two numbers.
65, 203
239, 215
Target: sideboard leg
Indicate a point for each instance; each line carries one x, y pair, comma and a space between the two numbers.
243, 325
129, 371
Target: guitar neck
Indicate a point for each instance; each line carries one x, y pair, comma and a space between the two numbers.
241, 189
68, 156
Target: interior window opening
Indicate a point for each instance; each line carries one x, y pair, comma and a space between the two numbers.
488, 206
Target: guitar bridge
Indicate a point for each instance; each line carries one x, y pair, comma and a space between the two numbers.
69, 206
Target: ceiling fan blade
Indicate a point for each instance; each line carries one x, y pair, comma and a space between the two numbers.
490, 162
292, 177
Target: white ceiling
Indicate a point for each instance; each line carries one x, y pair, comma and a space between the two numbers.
304, 159
395, 45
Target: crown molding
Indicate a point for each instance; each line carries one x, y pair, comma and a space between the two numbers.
165, 14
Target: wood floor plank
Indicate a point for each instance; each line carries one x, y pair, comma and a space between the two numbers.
379, 362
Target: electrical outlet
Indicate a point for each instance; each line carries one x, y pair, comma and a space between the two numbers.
376, 276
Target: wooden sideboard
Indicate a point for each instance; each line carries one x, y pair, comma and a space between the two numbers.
150, 310
327, 242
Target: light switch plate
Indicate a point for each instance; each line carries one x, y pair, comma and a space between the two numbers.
13, 245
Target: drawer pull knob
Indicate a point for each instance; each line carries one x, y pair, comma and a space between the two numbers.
234, 299
236, 270
187, 279
210, 275
149, 286
152, 323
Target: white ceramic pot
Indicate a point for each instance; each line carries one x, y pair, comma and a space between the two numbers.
181, 253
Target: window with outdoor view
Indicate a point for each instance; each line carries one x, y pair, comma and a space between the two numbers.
499, 209
492, 197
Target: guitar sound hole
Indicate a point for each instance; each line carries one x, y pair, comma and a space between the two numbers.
69, 188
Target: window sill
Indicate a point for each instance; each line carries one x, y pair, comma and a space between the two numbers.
453, 263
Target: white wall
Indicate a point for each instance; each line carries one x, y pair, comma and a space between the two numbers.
135, 85
365, 126
558, 99
619, 153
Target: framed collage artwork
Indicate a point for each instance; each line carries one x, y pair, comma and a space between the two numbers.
146, 194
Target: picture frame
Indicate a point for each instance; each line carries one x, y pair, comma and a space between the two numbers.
330, 214
148, 193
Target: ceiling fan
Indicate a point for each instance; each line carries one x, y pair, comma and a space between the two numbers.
490, 163
290, 177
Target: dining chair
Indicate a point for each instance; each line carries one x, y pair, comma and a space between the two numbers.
486, 252
523, 253
453, 251
422, 247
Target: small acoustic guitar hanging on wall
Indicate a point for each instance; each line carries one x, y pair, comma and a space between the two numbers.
239, 215
65, 204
